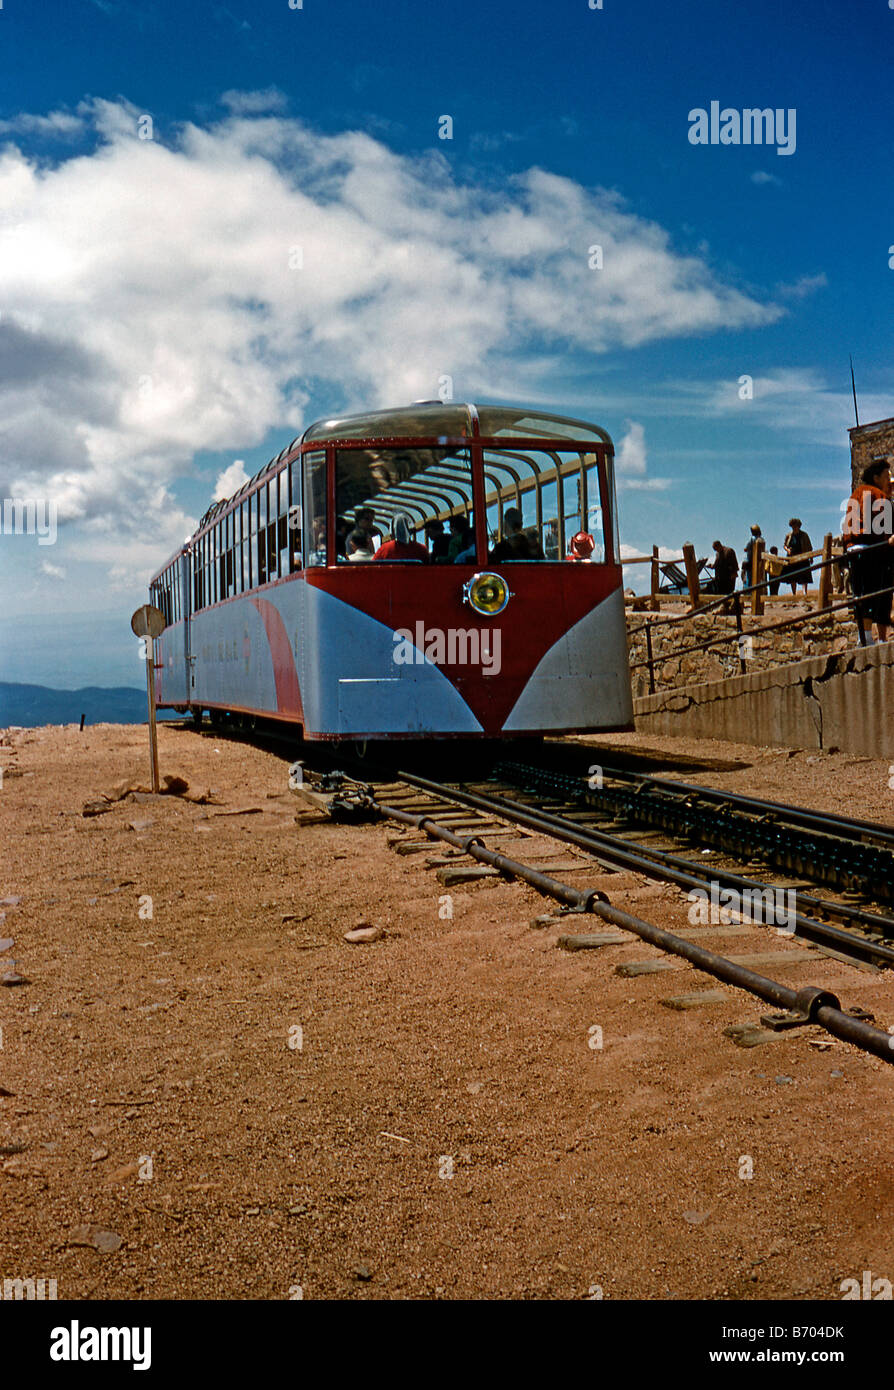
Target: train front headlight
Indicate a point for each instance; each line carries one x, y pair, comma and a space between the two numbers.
487, 593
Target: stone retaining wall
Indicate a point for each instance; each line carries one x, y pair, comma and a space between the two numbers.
820, 636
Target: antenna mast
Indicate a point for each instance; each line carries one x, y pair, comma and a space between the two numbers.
854, 389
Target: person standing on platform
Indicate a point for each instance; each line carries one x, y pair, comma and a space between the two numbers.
726, 568
868, 524
748, 565
796, 543
774, 565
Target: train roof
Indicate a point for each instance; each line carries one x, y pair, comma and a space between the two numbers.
453, 420
441, 420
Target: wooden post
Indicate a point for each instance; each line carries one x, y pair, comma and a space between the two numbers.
691, 572
150, 690
656, 580
825, 578
651, 660
148, 623
757, 577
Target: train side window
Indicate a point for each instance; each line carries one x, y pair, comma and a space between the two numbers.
282, 523
231, 542
259, 517
222, 560
294, 523
198, 569
272, 521
315, 507
241, 577
246, 544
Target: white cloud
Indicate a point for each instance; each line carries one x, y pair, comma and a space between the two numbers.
153, 306
255, 103
644, 484
56, 123
630, 462
52, 571
803, 286
760, 176
631, 457
794, 399
230, 480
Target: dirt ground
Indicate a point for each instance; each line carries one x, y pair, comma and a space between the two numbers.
205, 1092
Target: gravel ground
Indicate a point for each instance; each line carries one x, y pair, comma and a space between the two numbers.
205, 1092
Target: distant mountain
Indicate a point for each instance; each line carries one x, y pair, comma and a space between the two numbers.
32, 705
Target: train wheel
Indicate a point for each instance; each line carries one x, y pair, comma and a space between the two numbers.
197, 719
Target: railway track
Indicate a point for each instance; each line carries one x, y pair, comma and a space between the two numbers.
852, 856
634, 822
463, 816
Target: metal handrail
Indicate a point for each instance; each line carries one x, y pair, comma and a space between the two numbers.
767, 627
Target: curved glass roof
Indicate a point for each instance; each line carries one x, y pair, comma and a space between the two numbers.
426, 418
453, 420
430, 420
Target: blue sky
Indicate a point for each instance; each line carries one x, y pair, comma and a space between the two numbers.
152, 332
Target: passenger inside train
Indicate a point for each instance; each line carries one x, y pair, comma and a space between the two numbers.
364, 520
437, 539
401, 546
461, 538
517, 543
360, 546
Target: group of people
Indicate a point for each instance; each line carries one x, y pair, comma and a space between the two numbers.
787, 568
868, 536
361, 539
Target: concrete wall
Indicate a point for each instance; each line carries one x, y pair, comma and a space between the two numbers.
841, 701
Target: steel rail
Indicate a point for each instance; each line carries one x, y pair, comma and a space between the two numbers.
654, 811
848, 827
661, 866
817, 1006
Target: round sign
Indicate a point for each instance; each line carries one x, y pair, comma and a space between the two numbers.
148, 621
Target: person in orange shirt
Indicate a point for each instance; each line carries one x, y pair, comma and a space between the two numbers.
868, 524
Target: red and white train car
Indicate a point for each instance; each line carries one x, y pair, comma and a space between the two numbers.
506, 636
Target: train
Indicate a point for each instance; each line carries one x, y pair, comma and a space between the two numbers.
437, 571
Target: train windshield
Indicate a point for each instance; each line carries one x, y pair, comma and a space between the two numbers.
385, 492
536, 502
539, 500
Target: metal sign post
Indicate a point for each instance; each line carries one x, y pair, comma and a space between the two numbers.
149, 622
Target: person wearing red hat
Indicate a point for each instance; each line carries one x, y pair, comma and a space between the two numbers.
581, 547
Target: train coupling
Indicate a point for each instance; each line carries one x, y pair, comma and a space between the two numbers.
335, 794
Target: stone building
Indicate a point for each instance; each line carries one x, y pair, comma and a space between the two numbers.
867, 441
